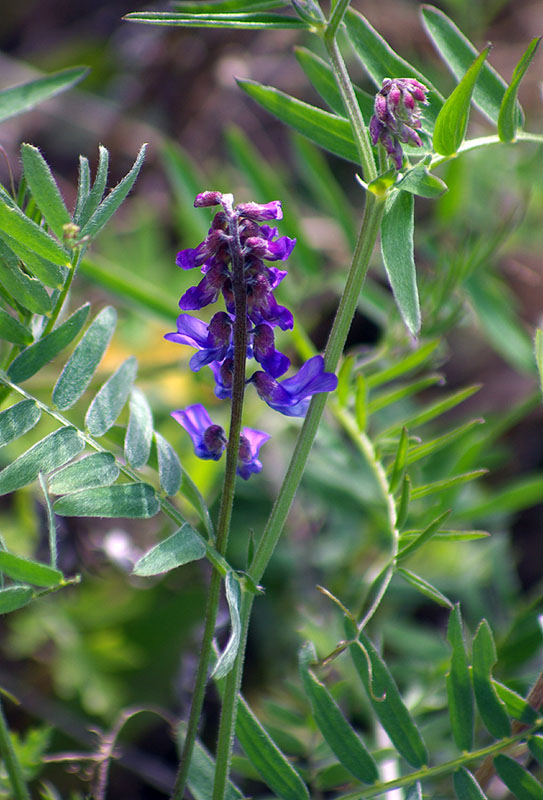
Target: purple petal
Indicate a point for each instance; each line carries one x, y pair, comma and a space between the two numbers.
199, 296
194, 419
259, 211
192, 257
207, 199
250, 443
190, 330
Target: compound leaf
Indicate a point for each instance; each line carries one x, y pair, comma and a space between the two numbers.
18, 419
109, 400
180, 548
128, 500
97, 469
52, 452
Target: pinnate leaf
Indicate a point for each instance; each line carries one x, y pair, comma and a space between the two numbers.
491, 708
94, 196
108, 402
169, 468
425, 588
139, 434
27, 571
98, 469
128, 500
18, 419
52, 452
44, 189
459, 690
182, 547
16, 224
41, 352
81, 365
397, 250
452, 122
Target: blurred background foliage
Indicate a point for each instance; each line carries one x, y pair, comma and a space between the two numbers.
76, 660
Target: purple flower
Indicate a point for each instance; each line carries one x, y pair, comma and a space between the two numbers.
213, 340
397, 115
258, 211
224, 374
291, 396
209, 440
273, 362
250, 443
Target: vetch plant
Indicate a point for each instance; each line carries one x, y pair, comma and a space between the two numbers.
416, 479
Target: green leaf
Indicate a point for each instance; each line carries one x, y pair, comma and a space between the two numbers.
169, 468
448, 536
114, 199
401, 367
52, 452
272, 766
447, 483
98, 469
466, 787
508, 120
403, 503
525, 492
391, 396
398, 468
424, 537
48, 273
414, 792
424, 587
27, 95
420, 181
240, 21
538, 347
83, 186
323, 80
225, 6
519, 781
139, 434
329, 131
191, 492
14, 597
80, 367
17, 225
229, 654
18, 419
459, 690
458, 53
27, 571
180, 548
517, 707
380, 60
361, 402
27, 292
40, 353
12, 330
344, 380
430, 412
452, 122
341, 738
535, 745
385, 698
397, 252
434, 445
202, 773
127, 500
93, 198
109, 400
491, 708
44, 189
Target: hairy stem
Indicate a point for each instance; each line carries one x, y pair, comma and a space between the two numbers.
62, 295
227, 502
11, 762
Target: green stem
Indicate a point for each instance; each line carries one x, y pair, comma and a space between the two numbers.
59, 303
11, 762
227, 502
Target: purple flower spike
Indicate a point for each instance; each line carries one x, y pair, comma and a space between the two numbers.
209, 440
250, 443
397, 116
279, 250
291, 396
273, 362
213, 340
258, 211
224, 374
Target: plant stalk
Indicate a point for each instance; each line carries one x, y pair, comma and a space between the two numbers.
11, 762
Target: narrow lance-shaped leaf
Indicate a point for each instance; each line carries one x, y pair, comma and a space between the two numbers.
424, 537
405, 365
491, 708
337, 732
41, 352
48, 273
447, 483
225, 6
452, 122
83, 186
517, 707
25, 291
458, 53
18, 419
97, 469
108, 402
430, 412
420, 181
92, 201
51, 522
466, 787
518, 780
397, 250
11, 330
459, 690
20, 227
327, 130
128, 500
535, 745
385, 698
27, 571
240, 21
508, 120
52, 452
398, 468
228, 656
114, 199
182, 547
14, 597
139, 434
21, 98
80, 367
424, 587
44, 189
169, 467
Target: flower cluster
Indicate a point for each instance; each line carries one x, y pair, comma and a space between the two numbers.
241, 233
397, 115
